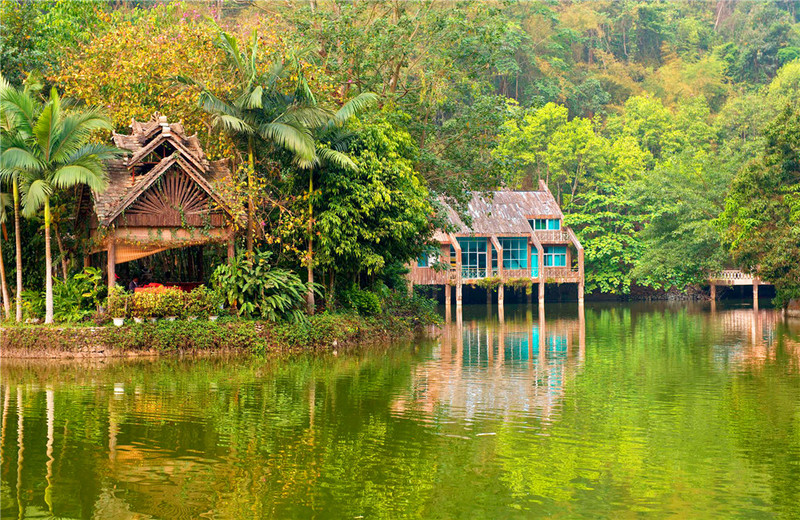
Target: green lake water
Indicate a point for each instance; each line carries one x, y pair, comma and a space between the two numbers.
621, 411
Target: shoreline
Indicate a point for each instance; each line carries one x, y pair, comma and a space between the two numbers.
323, 332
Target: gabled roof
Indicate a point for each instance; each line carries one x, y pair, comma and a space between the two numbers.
505, 212
124, 187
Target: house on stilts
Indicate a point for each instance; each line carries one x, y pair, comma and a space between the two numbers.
163, 194
516, 237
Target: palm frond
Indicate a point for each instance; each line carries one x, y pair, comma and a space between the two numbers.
5, 203
335, 158
34, 194
21, 107
233, 124
95, 150
88, 172
76, 130
46, 125
18, 158
355, 106
308, 116
296, 139
250, 98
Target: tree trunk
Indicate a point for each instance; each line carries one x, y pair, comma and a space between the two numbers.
310, 303
330, 299
6, 300
48, 263
64, 263
18, 240
250, 199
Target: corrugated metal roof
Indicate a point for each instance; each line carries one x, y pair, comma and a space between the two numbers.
504, 212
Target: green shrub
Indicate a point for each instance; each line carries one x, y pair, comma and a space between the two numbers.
415, 309
117, 302
171, 302
366, 303
255, 288
73, 300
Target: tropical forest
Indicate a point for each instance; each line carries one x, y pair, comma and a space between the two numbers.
424, 259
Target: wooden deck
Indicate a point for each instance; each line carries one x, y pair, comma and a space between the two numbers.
734, 277
430, 276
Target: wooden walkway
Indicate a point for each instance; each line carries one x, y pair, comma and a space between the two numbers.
731, 277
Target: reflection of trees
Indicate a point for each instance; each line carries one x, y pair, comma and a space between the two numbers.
180, 439
647, 427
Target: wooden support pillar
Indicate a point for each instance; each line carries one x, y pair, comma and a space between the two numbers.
447, 295
231, 249
501, 294
489, 296
458, 294
755, 293
541, 277
87, 260
112, 263
713, 292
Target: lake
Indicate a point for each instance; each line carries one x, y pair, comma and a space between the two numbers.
619, 411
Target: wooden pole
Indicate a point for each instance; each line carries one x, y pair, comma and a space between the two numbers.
755, 293
231, 249
713, 292
447, 295
541, 277
112, 263
501, 294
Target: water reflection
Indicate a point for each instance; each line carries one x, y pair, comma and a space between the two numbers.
499, 366
661, 409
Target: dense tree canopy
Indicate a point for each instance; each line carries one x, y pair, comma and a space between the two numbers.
639, 115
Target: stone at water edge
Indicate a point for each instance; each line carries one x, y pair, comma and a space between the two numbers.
793, 309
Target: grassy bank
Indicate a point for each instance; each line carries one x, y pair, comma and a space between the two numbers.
323, 331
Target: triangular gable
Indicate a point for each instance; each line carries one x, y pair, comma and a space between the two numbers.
148, 180
162, 139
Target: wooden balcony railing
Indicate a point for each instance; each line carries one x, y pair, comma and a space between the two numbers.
561, 274
552, 236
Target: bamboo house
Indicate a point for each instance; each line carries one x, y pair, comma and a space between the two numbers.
515, 237
163, 194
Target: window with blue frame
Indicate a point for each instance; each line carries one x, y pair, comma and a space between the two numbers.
555, 256
534, 263
422, 261
473, 254
515, 252
539, 224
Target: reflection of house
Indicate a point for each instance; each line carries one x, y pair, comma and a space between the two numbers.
497, 368
163, 195
511, 235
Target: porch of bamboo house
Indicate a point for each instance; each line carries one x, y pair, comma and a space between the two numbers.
515, 241
163, 207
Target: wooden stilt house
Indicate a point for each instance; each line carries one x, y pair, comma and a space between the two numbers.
163, 195
513, 235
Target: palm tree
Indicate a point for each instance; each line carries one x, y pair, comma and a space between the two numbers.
49, 150
9, 97
258, 113
5, 202
332, 142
